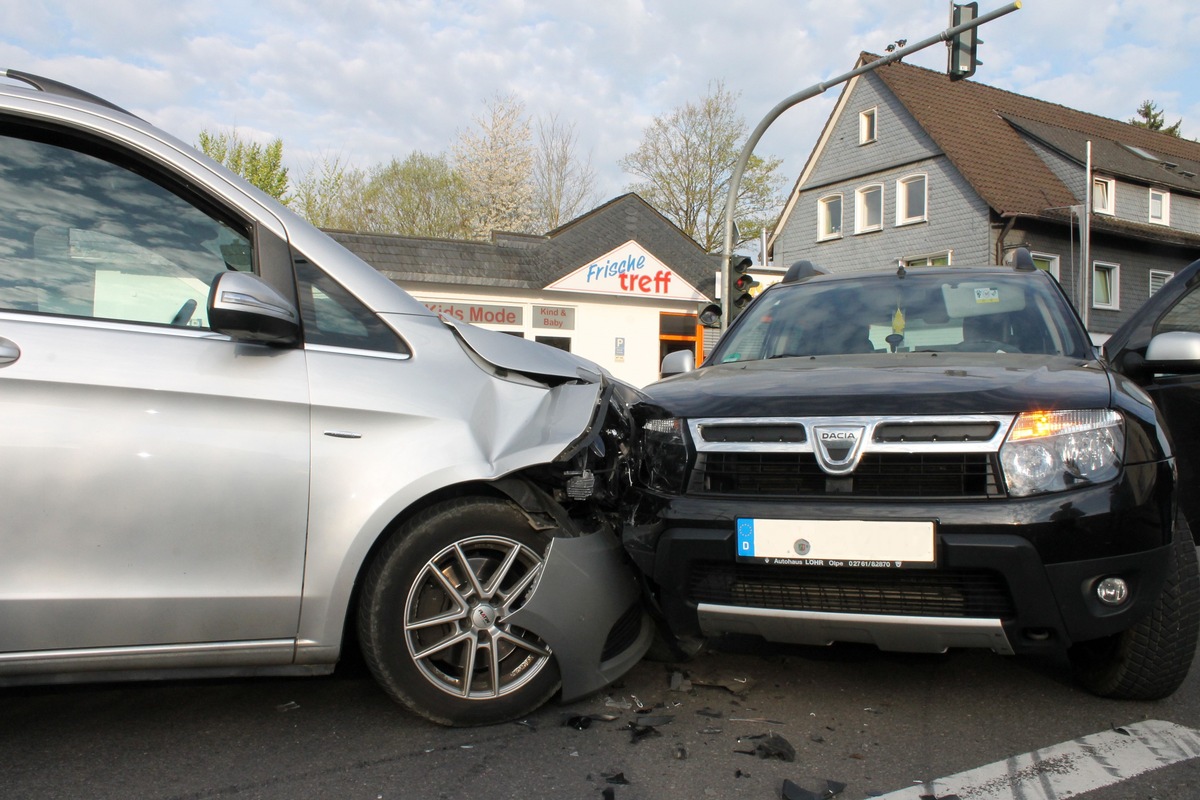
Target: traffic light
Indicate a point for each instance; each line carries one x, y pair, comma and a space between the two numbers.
740, 284
963, 46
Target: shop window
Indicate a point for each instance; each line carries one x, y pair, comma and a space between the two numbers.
680, 332
561, 342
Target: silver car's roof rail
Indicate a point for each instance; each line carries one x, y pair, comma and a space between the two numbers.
52, 86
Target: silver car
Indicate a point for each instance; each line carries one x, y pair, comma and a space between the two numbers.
227, 444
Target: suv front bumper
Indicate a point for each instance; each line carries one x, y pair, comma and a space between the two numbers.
1012, 575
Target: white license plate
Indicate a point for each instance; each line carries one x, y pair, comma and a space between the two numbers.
837, 543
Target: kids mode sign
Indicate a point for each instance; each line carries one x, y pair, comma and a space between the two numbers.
628, 271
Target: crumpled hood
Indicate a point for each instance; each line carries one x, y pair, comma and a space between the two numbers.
529, 358
919, 383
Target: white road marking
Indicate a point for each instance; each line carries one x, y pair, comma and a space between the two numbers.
1068, 769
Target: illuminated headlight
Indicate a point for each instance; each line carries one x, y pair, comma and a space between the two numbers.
1050, 451
664, 455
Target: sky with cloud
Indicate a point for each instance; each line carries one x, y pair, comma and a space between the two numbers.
370, 80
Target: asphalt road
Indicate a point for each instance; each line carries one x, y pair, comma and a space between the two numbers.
719, 726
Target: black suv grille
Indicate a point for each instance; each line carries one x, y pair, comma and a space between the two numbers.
940, 593
931, 475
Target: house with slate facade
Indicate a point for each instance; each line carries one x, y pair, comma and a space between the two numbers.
916, 169
620, 285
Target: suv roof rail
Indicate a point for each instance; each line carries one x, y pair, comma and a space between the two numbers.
52, 86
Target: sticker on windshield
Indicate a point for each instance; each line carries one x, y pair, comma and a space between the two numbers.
989, 295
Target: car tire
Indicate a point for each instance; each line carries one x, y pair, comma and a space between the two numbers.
431, 618
1150, 660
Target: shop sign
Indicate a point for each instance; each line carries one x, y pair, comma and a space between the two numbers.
478, 314
628, 271
558, 318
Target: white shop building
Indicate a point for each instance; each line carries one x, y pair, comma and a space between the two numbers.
620, 285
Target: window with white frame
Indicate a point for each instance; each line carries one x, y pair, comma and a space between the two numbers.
1160, 207
829, 217
1158, 277
1047, 262
1104, 195
911, 194
868, 208
941, 259
867, 122
1106, 285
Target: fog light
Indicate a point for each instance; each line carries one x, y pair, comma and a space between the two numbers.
1112, 591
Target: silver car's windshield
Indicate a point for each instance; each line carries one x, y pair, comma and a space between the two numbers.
991, 313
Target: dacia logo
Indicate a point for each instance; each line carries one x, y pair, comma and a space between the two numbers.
838, 447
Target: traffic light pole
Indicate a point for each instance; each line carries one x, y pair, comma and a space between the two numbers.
735, 180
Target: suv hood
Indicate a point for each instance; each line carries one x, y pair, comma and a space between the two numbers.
920, 383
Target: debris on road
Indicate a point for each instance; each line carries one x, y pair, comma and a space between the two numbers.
769, 746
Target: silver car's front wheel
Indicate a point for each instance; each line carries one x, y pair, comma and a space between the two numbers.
433, 618
455, 620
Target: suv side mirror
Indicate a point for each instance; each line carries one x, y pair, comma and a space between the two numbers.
678, 362
244, 307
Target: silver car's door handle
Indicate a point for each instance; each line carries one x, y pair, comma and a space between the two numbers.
9, 352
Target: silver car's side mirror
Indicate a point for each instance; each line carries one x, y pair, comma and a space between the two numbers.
244, 307
1174, 351
677, 362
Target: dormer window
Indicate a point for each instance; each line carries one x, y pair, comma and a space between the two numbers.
1104, 196
867, 125
1160, 207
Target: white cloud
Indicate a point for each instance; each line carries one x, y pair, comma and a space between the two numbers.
377, 79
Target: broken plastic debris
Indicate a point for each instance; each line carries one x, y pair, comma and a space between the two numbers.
648, 721
681, 752
762, 720
609, 794
793, 792
622, 703
290, 705
579, 723
680, 682
733, 684
771, 746
617, 778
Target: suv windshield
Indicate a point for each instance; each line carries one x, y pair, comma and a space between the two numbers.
990, 312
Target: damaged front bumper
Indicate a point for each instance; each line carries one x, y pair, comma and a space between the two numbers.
588, 608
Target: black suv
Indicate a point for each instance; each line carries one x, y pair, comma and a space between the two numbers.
933, 458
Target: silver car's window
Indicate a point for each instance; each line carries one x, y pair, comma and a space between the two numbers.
84, 236
333, 317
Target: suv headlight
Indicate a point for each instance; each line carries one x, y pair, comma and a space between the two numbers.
1050, 451
664, 455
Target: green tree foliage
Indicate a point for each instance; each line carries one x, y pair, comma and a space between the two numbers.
1151, 117
420, 196
262, 166
685, 162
